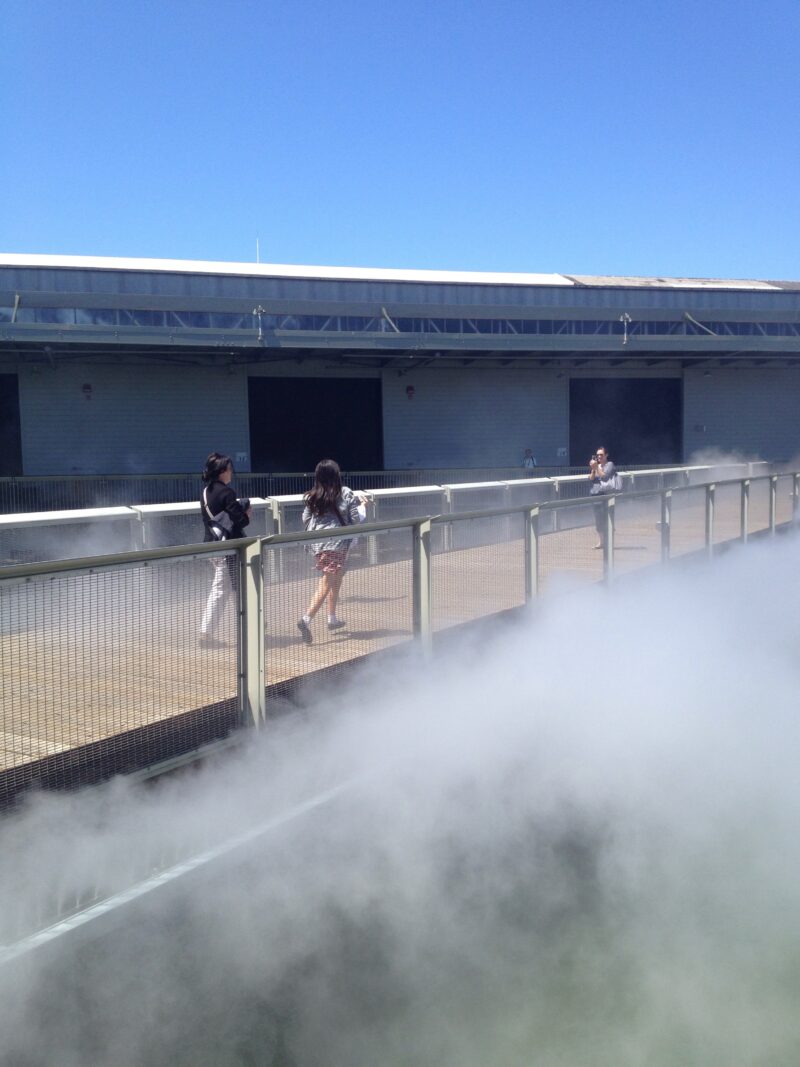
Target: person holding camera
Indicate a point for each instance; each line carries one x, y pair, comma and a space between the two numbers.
604, 478
224, 519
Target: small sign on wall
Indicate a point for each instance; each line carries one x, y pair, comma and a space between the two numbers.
562, 453
241, 457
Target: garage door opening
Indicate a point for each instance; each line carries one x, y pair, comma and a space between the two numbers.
639, 420
295, 422
10, 437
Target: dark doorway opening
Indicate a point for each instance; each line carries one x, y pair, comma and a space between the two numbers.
10, 436
295, 422
639, 420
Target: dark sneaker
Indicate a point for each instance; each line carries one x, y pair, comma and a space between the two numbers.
337, 624
305, 631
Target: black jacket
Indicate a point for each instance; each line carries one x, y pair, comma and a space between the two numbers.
221, 497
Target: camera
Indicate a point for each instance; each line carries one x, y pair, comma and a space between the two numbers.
593, 456
244, 501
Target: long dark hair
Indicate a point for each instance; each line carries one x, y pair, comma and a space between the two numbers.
323, 498
215, 465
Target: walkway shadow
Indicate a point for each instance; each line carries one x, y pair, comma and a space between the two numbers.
361, 599
323, 637
371, 635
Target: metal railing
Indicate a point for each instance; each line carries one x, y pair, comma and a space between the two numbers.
35, 493
26, 493
29, 537
101, 667
98, 675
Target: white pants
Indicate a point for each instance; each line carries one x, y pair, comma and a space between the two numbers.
221, 589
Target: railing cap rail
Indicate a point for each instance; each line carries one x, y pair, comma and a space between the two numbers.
53, 567
38, 518
187, 507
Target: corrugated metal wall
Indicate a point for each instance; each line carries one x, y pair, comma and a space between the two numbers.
138, 419
474, 418
151, 419
755, 411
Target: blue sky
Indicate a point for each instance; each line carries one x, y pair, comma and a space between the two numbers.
622, 137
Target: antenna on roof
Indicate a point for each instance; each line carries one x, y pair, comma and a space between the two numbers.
258, 254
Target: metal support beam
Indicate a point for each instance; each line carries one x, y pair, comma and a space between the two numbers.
608, 544
532, 555
421, 578
252, 672
710, 493
745, 511
773, 502
666, 523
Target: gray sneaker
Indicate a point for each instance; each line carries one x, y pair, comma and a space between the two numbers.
305, 631
336, 625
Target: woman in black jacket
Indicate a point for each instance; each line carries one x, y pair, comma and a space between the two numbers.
224, 519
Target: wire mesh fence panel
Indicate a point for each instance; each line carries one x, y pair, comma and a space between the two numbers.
487, 577
641, 483
530, 491
184, 525
478, 497
784, 500
66, 540
718, 472
758, 506
24, 494
104, 671
687, 521
160, 531
374, 604
727, 513
568, 518
474, 533
291, 513
674, 479
575, 488
637, 532
567, 556
407, 505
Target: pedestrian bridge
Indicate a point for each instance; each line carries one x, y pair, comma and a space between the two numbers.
101, 668
102, 671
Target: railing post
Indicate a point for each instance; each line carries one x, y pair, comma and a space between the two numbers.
276, 569
372, 539
773, 502
138, 532
447, 533
795, 494
745, 511
252, 676
608, 541
710, 492
666, 523
532, 554
556, 482
421, 579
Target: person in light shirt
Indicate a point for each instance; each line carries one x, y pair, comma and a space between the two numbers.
529, 463
604, 478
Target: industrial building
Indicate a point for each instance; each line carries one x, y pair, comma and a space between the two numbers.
118, 366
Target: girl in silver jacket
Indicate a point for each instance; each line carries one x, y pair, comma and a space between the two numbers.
329, 507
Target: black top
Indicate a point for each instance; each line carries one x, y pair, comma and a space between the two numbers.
222, 498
